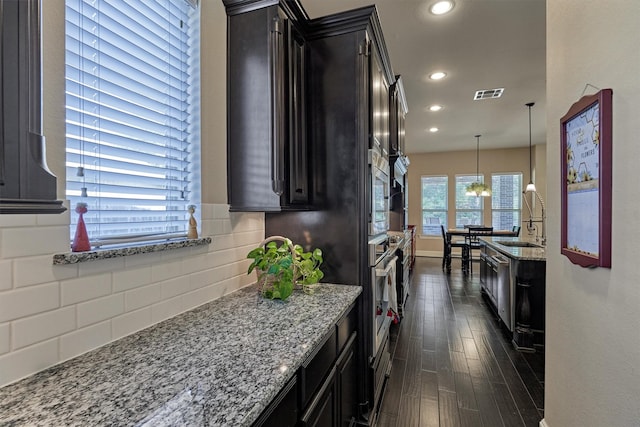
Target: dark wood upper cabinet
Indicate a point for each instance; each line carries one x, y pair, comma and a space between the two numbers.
267, 154
26, 184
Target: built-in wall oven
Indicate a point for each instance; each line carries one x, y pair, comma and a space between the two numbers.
382, 262
379, 222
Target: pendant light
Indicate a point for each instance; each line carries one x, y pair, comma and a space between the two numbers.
530, 186
478, 188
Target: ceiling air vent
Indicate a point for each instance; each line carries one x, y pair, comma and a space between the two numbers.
488, 94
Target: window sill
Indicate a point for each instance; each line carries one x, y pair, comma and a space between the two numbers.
77, 257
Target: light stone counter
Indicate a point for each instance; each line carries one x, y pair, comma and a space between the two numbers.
517, 253
220, 364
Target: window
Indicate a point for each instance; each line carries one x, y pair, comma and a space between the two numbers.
506, 200
132, 136
434, 204
468, 208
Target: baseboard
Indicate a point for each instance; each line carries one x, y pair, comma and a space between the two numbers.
543, 423
429, 254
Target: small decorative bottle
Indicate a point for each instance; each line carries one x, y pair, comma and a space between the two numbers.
81, 238
193, 225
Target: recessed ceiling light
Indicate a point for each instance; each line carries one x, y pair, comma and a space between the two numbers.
433, 130
441, 7
437, 75
435, 108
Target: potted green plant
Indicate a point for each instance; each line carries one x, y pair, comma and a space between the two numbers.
281, 267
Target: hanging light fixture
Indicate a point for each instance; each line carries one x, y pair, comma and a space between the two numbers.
478, 188
530, 186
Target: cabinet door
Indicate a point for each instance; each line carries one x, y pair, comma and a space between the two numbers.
323, 410
283, 411
26, 184
297, 138
347, 383
266, 132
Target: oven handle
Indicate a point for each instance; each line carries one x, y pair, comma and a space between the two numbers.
382, 272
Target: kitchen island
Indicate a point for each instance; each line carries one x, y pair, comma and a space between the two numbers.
220, 364
512, 277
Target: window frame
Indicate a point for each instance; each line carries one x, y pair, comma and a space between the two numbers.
181, 174
443, 212
462, 189
518, 210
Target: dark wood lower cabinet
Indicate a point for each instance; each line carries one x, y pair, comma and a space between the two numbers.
323, 393
283, 411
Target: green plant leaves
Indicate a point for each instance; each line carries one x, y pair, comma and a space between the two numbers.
279, 264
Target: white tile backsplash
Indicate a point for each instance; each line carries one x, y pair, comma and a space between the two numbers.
37, 270
29, 241
85, 339
52, 313
85, 288
5, 338
38, 328
100, 309
142, 297
6, 274
24, 362
18, 303
129, 323
131, 278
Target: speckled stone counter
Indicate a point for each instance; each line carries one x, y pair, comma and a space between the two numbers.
518, 253
220, 364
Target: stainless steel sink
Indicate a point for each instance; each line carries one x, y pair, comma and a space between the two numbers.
519, 244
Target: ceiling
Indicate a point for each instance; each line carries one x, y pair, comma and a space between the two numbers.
481, 44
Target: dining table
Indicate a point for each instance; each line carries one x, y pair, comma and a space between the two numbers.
450, 232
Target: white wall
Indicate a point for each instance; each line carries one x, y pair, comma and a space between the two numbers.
51, 313
592, 375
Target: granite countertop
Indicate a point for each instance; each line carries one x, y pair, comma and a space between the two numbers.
517, 253
220, 364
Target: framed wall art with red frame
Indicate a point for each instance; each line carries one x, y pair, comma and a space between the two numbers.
586, 181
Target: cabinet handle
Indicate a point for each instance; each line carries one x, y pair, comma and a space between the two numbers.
277, 100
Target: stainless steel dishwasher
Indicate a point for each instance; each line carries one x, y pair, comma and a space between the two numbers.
500, 266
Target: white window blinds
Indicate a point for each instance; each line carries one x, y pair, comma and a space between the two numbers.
131, 83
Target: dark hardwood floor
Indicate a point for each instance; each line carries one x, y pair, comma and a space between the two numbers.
453, 363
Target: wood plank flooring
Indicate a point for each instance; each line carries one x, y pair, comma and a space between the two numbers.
453, 364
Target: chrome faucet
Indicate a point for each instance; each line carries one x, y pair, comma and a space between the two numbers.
542, 220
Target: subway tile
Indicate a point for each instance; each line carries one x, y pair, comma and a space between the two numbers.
37, 270
85, 339
5, 338
17, 220
174, 287
33, 329
30, 241
194, 263
203, 295
207, 210
85, 288
129, 323
19, 303
166, 309
131, 278
168, 269
221, 211
100, 266
201, 279
142, 297
6, 274
142, 259
63, 218
22, 363
100, 309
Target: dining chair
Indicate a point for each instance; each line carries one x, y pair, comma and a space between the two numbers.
472, 241
446, 251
